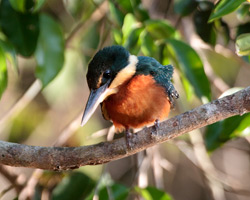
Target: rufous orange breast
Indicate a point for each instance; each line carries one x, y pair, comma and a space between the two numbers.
139, 102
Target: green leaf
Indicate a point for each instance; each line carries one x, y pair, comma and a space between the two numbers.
159, 29
204, 30
246, 58
151, 48
10, 54
224, 66
79, 9
151, 193
90, 40
3, 72
20, 128
132, 41
243, 28
139, 12
219, 133
50, 50
116, 15
148, 47
107, 189
185, 7
116, 191
187, 87
119, 191
128, 25
38, 5
225, 7
224, 30
18, 5
135, 3
74, 186
191, 66
25, 5
165, 55
117, 34
124, 6
243, 11
244, 127
21, 29
243, 44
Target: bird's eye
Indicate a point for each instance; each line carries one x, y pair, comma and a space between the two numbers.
107, 74
152, 73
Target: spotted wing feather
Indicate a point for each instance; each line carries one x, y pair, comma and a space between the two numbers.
163, 77
162, 74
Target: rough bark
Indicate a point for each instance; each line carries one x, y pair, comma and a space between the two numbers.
65, 158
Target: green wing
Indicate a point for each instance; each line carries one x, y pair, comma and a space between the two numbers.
163, 77
162, 74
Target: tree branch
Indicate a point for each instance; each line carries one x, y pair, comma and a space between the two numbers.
65, 158
12, 178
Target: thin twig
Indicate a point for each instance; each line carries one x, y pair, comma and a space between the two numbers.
178, 22
68, 131
167, 8
97, 15
157, 169
27, 97
65, 158
228, 183
201, 47
12, 178
206, 165
2, 193
143, 168
29, 190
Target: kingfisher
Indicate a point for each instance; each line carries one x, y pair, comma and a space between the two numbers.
133, 91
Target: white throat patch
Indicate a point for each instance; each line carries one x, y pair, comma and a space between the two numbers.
126, 73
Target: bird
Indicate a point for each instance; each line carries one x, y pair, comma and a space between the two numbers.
133, 91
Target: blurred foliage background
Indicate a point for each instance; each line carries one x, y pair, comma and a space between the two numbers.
45, 47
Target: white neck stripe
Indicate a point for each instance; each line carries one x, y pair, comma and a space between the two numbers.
126, 73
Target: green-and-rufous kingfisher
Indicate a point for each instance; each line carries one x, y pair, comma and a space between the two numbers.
133, 91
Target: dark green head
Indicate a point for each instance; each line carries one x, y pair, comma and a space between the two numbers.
106, 64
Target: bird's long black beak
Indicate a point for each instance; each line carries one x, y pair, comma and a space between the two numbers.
95, 98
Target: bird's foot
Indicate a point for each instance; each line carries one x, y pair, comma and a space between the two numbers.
155, 128
129, 136
156, 124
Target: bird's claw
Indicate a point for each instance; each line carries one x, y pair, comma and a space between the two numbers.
156, 127
156, 124
172, 94
129, 139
